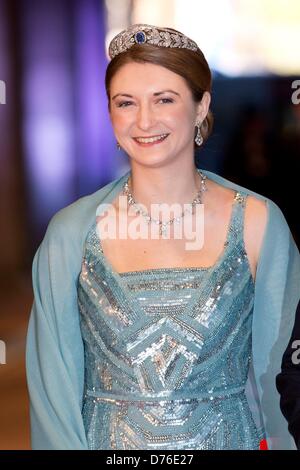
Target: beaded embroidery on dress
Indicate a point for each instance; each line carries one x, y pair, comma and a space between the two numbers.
167, 351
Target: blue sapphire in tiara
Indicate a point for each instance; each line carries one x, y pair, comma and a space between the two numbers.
140, 37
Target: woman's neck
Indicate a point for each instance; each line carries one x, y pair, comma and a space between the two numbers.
156, 186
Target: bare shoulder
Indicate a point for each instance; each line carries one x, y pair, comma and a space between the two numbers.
256, 215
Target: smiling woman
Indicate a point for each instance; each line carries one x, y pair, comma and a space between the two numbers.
155, 113
188, 73
138, 342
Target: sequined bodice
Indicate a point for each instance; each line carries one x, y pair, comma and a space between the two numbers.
167, 351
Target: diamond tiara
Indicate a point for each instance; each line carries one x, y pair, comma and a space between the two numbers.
148, 34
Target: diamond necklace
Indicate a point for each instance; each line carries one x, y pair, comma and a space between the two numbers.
163, 225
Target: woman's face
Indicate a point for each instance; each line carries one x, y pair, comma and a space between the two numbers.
149, 101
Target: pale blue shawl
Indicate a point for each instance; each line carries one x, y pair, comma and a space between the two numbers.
54, 349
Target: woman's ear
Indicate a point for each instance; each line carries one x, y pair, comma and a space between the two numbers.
203, 106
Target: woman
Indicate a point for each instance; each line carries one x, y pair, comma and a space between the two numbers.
144, 343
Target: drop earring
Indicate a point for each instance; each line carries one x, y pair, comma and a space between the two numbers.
198, 138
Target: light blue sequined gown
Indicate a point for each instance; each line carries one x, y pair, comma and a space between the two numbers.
167, 351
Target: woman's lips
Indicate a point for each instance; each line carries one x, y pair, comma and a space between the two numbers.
149, 144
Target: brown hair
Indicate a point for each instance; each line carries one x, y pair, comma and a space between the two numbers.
190, 65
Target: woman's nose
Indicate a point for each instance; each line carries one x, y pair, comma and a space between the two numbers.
145, 117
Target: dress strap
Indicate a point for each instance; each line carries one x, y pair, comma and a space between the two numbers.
236, 227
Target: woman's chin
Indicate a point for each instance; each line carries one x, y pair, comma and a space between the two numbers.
150, 160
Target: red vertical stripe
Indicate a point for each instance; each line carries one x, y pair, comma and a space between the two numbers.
263, 445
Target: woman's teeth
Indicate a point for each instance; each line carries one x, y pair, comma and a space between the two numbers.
151, 139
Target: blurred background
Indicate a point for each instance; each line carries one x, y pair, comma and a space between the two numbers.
57, 144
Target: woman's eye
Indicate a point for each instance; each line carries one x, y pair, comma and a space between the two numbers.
121, 105
168, 100
125, 104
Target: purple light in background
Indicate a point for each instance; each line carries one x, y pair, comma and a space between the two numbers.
47, 104
95, 140
70, 148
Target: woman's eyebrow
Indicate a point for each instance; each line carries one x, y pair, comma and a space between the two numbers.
154, 94
164, 91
